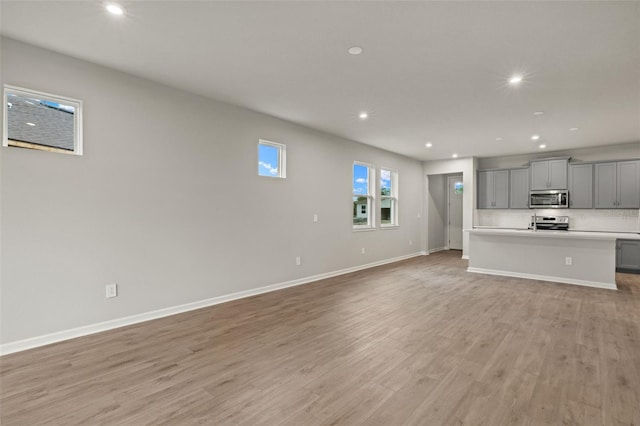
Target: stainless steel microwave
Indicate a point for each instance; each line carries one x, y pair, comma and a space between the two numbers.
550, 199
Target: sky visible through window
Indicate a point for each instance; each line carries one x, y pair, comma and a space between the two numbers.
360, 179
385, 182
268, 160
56, 105
45, 102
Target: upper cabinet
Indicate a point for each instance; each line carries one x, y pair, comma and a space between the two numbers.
549, 174
629, 184
617, 185
493, 189
581, 186
519, 188
607, 185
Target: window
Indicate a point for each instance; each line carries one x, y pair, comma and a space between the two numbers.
271, 159
388, 197
41, 121
363, 179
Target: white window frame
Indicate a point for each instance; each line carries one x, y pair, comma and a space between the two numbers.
282, 158
371, 199
393, 196
77, 120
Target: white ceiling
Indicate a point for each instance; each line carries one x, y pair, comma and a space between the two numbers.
430, 71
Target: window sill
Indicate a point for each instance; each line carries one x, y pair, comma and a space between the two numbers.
371, 228
388, 227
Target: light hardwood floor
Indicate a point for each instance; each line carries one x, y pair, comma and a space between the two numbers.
419, 342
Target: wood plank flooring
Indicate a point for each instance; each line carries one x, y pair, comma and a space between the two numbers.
419, 342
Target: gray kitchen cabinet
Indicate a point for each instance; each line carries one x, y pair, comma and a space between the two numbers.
485, 181
581, 186
539, 175
549, 174
628, 256
629, 184
617, 185
493, 189
605, 186
519, 188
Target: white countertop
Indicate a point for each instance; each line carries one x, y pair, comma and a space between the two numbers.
583, 235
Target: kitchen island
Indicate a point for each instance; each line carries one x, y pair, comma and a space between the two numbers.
571, 257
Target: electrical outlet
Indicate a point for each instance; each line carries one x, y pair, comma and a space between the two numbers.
298, 261
362, 250
315, 218
410, 242
111, 290
568, 261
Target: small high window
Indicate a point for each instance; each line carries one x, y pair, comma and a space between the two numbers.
37, 120
388, 197
363, 201
271, 159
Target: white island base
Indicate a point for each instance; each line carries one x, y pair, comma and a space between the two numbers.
544, 255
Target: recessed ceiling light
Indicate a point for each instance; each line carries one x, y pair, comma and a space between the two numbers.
573, 129
428, 144
363, 115
538, 113
535, 137
455, 155
114, 9
515, 79
30, 124
355, 50
498, 139
542, 146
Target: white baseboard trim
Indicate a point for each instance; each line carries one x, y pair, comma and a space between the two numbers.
465, 256
437, 249
59, 336
562, 280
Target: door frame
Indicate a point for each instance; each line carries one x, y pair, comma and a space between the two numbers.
459, 178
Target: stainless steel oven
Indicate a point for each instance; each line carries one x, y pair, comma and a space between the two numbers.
551, 223
550, 199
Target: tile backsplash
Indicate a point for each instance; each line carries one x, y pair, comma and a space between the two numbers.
615, 220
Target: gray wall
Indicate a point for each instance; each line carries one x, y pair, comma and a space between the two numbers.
167, 203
